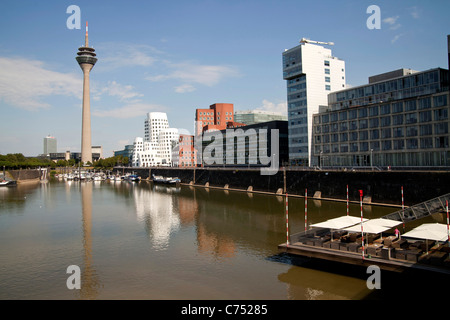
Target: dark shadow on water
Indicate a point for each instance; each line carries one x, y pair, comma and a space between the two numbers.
411, 284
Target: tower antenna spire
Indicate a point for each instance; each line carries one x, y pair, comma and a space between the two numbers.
86, 42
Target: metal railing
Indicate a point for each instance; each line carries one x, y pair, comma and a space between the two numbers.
420, 210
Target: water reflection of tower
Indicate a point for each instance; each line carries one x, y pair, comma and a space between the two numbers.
86, 58
90, 283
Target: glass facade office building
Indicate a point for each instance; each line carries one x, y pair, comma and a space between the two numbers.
401, 121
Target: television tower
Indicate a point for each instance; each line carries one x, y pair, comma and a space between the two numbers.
86, 59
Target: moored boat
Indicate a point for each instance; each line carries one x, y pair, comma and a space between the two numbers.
166, 180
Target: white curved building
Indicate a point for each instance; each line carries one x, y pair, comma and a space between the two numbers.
156, 148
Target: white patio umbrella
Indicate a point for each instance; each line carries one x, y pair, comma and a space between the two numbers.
429, 231
385, 222
338, 223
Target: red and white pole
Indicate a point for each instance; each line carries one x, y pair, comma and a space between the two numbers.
448, 229
362, 229
287, 221
403, 210
347, 200
306, 209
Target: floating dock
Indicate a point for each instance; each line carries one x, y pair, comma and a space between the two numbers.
385, 250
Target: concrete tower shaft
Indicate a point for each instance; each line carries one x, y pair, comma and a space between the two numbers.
86, 58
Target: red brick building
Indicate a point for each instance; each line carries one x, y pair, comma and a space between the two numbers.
219, 116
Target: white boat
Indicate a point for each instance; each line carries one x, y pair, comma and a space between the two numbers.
7, 183
166, 180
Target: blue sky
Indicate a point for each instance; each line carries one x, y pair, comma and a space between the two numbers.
176, 56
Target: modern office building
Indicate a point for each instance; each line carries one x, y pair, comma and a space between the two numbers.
400, 118
156, 148
311, 73
86, 58
126, 152
249, 117
50, 145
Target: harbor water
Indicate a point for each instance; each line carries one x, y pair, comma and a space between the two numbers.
137, 240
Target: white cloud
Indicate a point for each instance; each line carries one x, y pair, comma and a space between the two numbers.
184, 88
25, 83
391, 20
415, 12
280, 107
131, 110
189, 73
120, 55
396, 38
123, 92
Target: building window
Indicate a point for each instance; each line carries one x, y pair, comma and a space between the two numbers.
426, 143
411, 118
385, 121
425, 116
327, 79
397, 107
399, 144
411, 131
385, 109
398, 132
426, 130
328, 87
410, 105
327, 71
441, 128
364, 146
440, 101
441, 114
424, 103
373, 111
327, 63
375, 145
387, 145
412, 144
374, 134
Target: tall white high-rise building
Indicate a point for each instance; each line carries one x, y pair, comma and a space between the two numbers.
155, 149
311, 73
50, 145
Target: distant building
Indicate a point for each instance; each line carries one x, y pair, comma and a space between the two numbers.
257, 116
156, 148
219, 116
311, 73
50, 145
184, 154
126, 152
99, 150
97, 154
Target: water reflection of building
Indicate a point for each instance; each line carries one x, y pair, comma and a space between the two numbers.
90, 282
217, 245
158, 212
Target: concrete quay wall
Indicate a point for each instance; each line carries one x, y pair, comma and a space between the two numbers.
379, 187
